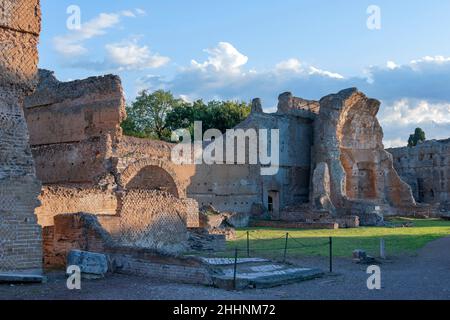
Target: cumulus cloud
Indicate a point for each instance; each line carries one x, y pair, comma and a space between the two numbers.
129, 56
223, 75
72, 44
223, 58
413, 94
290, 65
401, 117
314, 70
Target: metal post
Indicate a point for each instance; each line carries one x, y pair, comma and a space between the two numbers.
248, 244
331, 254
285, 246
382, 249
235, 267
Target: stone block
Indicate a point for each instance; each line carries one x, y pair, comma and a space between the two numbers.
90, 263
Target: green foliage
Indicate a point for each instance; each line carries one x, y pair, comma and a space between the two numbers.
156, 115
147, 115
417, 137
220, 115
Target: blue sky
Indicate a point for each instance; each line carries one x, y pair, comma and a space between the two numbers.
244, 49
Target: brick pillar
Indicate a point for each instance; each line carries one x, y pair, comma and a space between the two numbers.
20, 235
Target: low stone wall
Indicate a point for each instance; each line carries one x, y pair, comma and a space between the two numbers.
85, 232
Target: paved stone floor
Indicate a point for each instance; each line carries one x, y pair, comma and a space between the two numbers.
423, 276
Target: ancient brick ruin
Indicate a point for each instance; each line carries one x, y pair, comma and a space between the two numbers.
426, 168
87, 165
20, 234
348, 144
333, 167
92, 188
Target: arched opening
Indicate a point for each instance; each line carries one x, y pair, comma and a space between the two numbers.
153, 178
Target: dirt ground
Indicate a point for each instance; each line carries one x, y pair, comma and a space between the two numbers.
423, 276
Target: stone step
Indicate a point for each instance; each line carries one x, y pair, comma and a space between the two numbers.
218, 262
11, 277
262, 274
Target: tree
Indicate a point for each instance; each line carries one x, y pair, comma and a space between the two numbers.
215, 114
156, 115
417, 137
147, 115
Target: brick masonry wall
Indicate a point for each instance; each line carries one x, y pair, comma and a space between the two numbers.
85, 232
426, 168
57, 200
20, 235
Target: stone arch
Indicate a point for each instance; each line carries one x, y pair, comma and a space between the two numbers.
152, 174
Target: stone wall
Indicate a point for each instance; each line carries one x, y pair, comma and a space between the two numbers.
239, 187
348, 140
20, 235
59, 199
85, 232
87, 165
64, 112
150, 219
426, 168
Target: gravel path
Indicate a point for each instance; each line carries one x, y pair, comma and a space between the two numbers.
424, 276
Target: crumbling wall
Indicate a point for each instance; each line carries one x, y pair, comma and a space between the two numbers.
87, 165
64, 112
60, 199
241, 187
426, 168
348, 140
20, 235
84, 232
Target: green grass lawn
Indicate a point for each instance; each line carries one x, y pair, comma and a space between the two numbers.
269, 242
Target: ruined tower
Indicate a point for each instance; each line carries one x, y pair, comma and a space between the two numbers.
20, 235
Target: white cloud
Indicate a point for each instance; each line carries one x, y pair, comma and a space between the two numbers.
407, 111
316, 71
128, 13
223, 58
223, 76
140, 12
401, 117
391, 65
290, 65
430, 59
415, 94
394, 143
128, 56
72, 44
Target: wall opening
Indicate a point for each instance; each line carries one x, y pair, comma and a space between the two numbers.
420, 190
153, 178
273, 204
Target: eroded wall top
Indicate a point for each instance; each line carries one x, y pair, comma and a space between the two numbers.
60, 112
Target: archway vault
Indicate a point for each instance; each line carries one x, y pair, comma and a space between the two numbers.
162, 169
